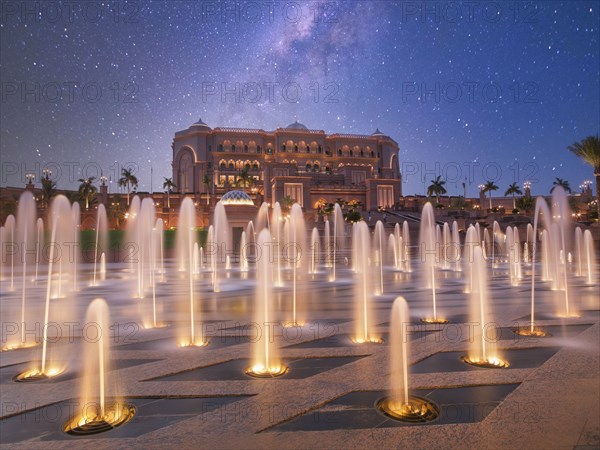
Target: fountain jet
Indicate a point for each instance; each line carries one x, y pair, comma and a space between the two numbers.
101, 407
400, 405
266, 362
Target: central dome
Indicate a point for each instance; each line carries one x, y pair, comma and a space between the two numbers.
296, 126
236, 198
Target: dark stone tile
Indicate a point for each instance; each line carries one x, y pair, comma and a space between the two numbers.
508, 333
356, 410
8, 372
46, 423
525, 358
589, 313
235, 369
345, 340
170, 343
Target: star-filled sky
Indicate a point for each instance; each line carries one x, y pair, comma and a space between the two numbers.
471, 91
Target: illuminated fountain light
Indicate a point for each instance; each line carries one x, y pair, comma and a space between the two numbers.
589, 256
296, 243
454, 253
266, 362
364, 285
338, 237
399, 404
101, 240
61, 221
378, 241
102, 409
429, 254
482, 351
315, 248
154, 268
188, 333
39, 245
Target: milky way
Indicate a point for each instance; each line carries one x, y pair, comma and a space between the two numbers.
472, 91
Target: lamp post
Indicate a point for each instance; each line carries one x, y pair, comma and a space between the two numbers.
104, 189
527, 187
30, 178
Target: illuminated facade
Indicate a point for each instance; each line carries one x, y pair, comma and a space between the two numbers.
306, 165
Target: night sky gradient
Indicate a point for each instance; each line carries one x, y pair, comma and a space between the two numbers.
528, 74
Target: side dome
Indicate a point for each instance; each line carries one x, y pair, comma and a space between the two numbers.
296, 126
200, 123
236, 198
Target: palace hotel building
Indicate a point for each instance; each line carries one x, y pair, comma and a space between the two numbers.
307, 165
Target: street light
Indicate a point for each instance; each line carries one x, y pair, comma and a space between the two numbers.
46, 173
30, 177
103, 180
587, 184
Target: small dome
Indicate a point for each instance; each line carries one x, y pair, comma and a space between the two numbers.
236, 198
377, 133
200, 123
296, 126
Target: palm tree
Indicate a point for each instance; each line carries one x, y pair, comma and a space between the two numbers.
589, 150
244, 179
526, 204
116, 211
562, 183
128, 179
206, 181
87, 190
513, 189
168, 185
436, 187
286, 204
489, 186
48, 191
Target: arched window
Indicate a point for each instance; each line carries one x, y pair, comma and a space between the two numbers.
350, 152
210, 148
308, 167
317, 167
258, 149
233, 148
283, 149
327, 169
319, 149
340, 152
307, 149
362, 153
220, 147
269, 151
222, 166
231, 166
255, 166
372, 154
296, 148
245, 149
